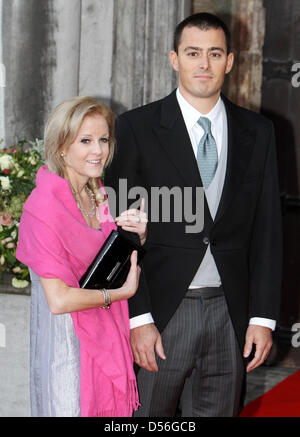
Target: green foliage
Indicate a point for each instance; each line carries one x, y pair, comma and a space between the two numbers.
18, 167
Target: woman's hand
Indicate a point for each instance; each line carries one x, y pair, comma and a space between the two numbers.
134, 220
130, 286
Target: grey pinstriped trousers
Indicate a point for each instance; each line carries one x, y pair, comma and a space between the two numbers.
203, 372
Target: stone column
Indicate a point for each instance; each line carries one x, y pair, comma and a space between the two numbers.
52, 50
27, 56
248, 29
116, 51
143, 33
66, 32
96, 49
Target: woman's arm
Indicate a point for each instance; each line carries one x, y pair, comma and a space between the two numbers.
64, 299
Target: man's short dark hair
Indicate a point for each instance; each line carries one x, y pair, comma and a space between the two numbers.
203, 21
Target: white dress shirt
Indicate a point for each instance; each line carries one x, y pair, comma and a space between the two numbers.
207, 274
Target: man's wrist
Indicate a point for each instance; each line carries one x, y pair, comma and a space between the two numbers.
260, 321
143, 319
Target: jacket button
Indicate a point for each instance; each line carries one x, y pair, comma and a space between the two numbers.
205, 240
213, 242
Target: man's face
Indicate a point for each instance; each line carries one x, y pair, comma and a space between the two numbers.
202, 62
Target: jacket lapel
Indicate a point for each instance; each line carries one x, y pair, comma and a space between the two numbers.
240, 147
174, 139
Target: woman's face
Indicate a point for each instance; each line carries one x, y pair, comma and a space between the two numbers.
86, 156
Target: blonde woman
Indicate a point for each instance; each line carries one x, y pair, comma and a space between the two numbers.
81, 361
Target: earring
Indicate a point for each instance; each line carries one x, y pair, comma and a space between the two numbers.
62, 154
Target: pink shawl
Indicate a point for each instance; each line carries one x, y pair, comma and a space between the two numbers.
55, 241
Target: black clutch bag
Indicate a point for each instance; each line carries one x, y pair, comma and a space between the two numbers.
111, 265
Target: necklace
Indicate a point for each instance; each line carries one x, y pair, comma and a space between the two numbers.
92, 197
94, 209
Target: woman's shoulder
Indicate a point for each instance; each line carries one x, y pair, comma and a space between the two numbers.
51, 193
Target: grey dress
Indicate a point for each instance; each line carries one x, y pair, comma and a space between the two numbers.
54, 359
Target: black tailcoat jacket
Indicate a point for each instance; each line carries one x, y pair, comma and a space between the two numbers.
153, 149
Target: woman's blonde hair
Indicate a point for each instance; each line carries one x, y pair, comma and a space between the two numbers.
62, 128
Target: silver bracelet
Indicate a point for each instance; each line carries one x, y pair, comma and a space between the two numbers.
106, 297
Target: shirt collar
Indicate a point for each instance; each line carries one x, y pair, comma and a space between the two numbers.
191, 115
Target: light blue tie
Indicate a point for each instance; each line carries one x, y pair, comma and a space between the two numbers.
207, 153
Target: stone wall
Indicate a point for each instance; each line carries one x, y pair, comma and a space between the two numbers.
141, 70
246, 20
52, 50
114, 50
14, 355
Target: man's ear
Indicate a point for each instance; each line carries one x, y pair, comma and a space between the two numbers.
174, 59
230, 61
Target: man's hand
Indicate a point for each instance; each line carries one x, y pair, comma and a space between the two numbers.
145, 340
261, 337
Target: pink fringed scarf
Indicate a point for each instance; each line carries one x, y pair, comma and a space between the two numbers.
55, 241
